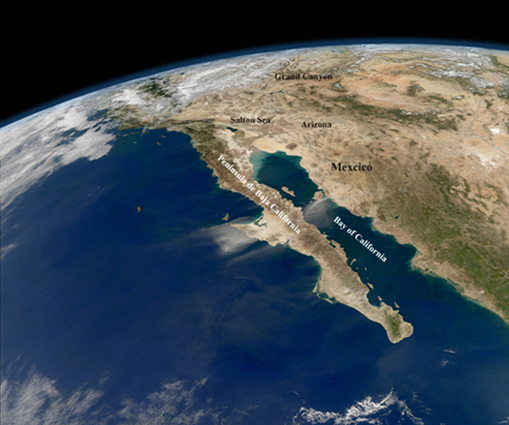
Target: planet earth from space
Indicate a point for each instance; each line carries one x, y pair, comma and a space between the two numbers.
311, 235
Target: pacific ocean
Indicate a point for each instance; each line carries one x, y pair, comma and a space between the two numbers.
457, 360
127, 279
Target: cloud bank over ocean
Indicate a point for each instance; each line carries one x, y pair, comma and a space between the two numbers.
36, 400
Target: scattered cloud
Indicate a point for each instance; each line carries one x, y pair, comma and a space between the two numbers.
229, 239
36, 146
37, 401
366, 411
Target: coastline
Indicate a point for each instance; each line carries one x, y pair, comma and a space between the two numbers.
337, 279
425, 264
385, 111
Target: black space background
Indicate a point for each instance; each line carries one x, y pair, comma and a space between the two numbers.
51, 55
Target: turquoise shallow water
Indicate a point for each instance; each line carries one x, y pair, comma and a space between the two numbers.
126, 277
459, 352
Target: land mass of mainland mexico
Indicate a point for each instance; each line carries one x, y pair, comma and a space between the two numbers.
415, 137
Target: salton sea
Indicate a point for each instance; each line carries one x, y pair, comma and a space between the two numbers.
128, 285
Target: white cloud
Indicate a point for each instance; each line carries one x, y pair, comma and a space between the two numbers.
129, 96
4, 250
37, 401
172, 404
366, 411
229, 239
36, 146
316, 211
238, 72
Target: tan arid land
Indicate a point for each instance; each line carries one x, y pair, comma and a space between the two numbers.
431, 122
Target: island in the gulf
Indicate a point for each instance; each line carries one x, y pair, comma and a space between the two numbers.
415, 137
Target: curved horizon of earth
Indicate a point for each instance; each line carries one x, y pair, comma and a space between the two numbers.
310, 235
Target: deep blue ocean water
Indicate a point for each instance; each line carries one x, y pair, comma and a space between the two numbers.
126, 275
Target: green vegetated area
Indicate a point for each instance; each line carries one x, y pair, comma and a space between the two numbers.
394, 323
428, 205
157, 87
431, 210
